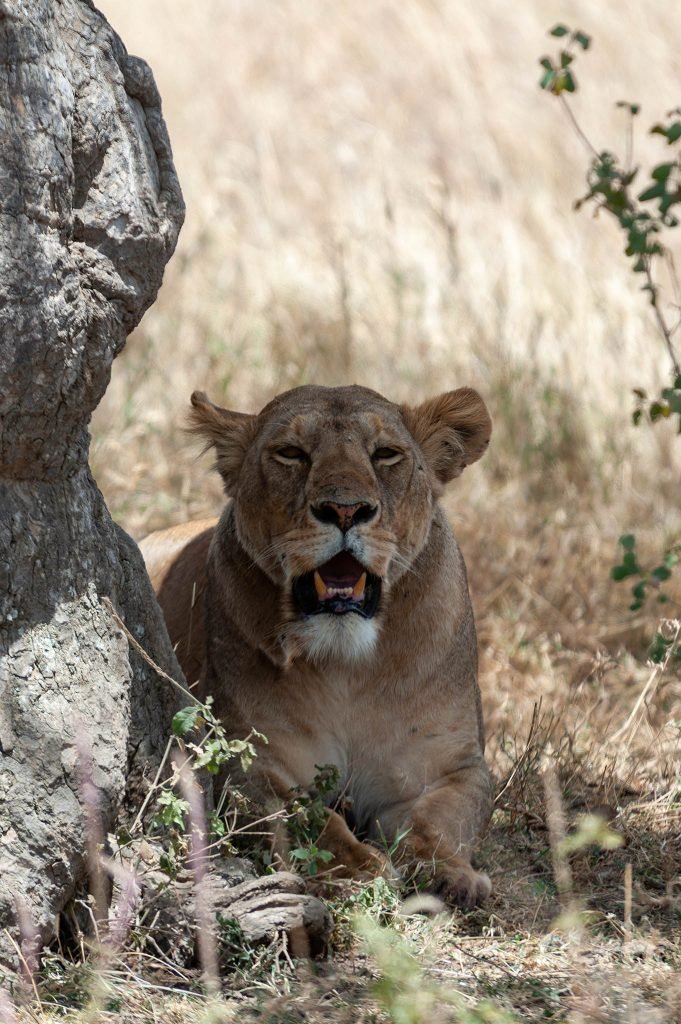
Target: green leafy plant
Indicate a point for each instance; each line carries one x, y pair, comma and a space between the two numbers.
645, 212
614, 186
309, 815
664, 646
201, 740
558, 76
649, 581
212, 751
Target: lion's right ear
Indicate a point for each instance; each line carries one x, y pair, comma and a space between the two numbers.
229, 433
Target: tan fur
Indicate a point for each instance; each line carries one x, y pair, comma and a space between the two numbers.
392, 701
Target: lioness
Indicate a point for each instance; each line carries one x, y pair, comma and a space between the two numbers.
336, 618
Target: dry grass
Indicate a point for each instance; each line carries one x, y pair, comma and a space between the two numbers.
379, 193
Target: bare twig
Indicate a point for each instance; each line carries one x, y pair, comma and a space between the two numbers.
26, 970
198, 861
654, 677
152, 788
523, 757
627, 901
124, 912
577, 127
143, 654
661, 322
557, 826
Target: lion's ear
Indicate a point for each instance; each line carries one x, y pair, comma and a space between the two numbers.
229, 433
451, 430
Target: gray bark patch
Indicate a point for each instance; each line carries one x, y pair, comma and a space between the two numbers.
90, 210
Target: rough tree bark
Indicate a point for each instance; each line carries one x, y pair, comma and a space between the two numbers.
90, 209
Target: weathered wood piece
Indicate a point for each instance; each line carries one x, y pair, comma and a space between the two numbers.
264, 909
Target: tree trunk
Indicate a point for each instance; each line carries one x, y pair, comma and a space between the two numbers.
90, 210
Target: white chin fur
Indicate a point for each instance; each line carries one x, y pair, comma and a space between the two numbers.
338, 637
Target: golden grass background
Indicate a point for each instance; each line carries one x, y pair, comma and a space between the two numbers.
379, 193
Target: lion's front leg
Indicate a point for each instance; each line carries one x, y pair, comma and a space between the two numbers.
351, 857
442, 827
274, 793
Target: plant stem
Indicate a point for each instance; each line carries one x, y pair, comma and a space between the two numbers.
661, 322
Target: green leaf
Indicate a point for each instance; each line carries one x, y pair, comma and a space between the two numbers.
628, 541
566, 59
673, 398
654, 192
172, 809
661, 573
658, 410
186, 719
662, 171
629, 561
559, 31
569, 82
667, 200
639, 591
658, 648
583, 40
636, 416
216, 825
673, 133
547, 79
300, 854
620, 572
547, 63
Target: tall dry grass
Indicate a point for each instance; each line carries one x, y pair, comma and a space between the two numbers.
378, 192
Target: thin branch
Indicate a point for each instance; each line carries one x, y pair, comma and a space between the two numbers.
577, 127
661, 322
145, 657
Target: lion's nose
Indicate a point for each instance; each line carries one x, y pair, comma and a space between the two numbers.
344, 516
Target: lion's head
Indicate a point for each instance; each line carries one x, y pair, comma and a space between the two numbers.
333, 496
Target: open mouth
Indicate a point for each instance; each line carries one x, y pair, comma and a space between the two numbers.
338, 586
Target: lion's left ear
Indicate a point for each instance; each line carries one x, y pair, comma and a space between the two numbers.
451, 430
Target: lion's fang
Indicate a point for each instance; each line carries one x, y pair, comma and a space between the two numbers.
358, 589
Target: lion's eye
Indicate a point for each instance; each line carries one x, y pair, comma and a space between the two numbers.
387, 456
289, 454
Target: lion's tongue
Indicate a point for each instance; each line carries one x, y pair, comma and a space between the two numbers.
342, 576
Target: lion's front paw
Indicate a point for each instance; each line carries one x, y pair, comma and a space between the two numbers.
375, 862
350, 857
462, 886
361, 861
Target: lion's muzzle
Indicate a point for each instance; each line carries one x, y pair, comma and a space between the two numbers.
337, 587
